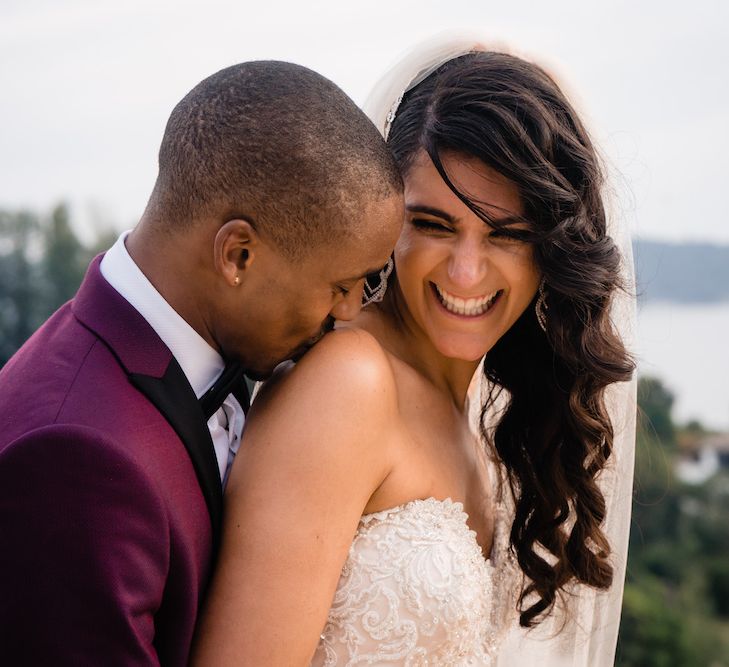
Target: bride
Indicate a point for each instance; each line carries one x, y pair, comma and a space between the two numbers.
367, 521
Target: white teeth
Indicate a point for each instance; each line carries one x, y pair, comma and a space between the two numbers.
470, 307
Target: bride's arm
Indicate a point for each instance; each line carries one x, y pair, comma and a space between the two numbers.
313, 452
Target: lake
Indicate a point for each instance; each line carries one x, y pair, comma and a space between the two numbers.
687, 346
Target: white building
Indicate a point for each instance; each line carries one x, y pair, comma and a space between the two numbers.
702, 462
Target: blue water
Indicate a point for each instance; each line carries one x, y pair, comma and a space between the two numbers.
687, 346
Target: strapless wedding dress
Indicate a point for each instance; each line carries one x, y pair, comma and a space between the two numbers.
415, 590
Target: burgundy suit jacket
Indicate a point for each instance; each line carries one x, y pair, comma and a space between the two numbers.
110, 495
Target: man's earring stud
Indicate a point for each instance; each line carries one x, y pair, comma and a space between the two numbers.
237, 280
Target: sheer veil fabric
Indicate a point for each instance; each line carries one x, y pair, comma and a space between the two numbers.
587, 633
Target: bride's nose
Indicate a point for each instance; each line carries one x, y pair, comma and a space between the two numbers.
467, 264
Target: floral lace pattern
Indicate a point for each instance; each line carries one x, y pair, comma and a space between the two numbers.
415, 590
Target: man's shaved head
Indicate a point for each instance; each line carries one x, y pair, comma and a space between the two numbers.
276, 144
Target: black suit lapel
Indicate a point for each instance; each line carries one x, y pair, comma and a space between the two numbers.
173, 396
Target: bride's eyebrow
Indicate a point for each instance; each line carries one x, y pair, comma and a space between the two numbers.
430, 210
506, 220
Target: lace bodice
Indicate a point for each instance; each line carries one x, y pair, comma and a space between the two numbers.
415, 590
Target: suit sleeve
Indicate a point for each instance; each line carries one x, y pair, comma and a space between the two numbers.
84, 552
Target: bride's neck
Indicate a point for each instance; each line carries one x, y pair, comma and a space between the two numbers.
392, 324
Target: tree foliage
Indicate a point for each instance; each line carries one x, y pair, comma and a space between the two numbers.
20, 275
42, 263
677, 586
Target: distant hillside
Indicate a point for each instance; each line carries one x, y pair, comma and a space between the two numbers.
684, 273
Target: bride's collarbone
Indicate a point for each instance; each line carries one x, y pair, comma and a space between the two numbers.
437, 456
433, 453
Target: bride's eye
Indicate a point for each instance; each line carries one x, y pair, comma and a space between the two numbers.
511, 234
503, 235
430, 225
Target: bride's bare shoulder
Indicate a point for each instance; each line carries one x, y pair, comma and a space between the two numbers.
347, 365
332, 416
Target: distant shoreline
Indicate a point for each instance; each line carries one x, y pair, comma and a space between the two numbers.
685, 273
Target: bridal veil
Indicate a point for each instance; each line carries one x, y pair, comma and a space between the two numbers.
587, 633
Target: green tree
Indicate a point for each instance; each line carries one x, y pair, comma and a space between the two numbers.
65, 259
20, 310
42, 263
677, 579
652, 632
656, 402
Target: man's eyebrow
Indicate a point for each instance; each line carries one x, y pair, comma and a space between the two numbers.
369, 272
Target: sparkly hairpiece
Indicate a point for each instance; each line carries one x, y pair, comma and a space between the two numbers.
391, 114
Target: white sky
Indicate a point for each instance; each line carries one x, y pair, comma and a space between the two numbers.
86, 87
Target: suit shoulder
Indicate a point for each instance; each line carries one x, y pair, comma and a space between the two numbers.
36, 381
69, 445
68, 461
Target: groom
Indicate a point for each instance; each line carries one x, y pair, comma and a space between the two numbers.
120, 417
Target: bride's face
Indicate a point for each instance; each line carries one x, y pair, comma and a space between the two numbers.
463, 283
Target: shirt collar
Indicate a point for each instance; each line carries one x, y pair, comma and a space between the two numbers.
200, 363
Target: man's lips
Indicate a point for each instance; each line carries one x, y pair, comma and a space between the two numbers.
304, 348
308, 344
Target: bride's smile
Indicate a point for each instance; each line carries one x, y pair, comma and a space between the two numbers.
464, 282
465, 306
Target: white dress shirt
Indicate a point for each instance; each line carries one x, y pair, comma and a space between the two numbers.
201, 364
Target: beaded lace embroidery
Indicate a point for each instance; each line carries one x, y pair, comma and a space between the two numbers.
416, 590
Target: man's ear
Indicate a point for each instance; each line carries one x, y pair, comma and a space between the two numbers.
235, 248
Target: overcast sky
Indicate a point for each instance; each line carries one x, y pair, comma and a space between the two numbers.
87, 87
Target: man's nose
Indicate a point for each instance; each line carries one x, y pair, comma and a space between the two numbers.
348, 308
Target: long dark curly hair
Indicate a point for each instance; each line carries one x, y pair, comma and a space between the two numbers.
554, 436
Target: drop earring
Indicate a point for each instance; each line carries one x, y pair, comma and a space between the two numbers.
541, 308
376, 284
